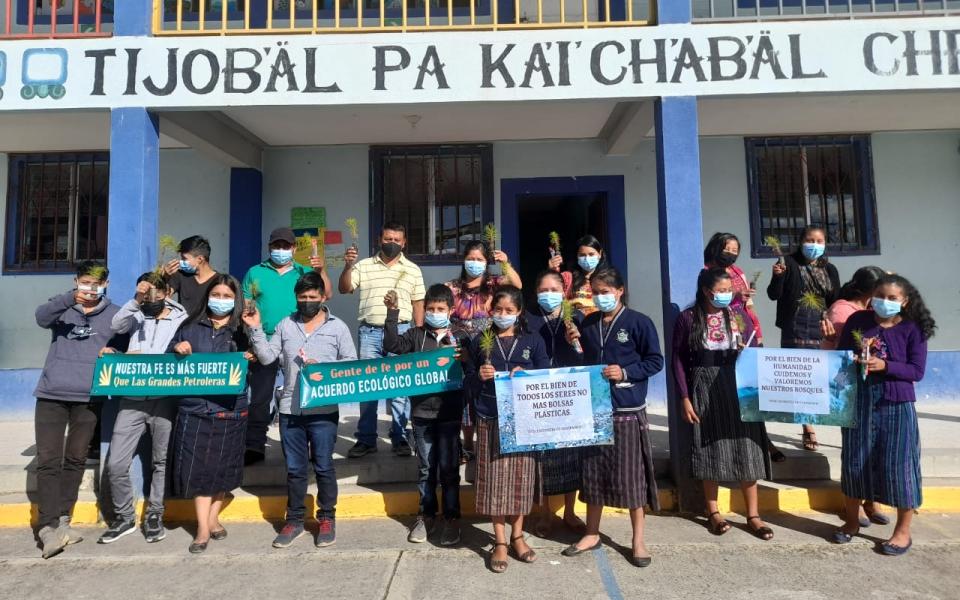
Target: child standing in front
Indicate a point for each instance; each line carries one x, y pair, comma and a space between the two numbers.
625, 342
880, 458
436, 417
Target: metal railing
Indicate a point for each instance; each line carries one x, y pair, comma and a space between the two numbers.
244, 17
29, 19
757, 10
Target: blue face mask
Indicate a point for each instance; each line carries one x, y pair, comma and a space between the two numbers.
605, 302
220, 306
186, 267
549, 301
437, 320
885, 308
588, 263
722, 299
474, 268
504, 321
813, 251
281, 257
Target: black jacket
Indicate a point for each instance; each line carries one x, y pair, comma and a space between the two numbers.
204, 338
787, 289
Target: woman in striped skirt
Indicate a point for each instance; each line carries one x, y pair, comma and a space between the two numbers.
507, 484
211, 430
560, 468
706, 341
880, 458
620, 475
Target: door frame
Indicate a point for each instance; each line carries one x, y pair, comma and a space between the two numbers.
611, 185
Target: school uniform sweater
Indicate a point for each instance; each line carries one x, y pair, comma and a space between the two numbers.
553, 332
631, 342
525, 351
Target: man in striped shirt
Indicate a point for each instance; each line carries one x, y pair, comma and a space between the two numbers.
373, 277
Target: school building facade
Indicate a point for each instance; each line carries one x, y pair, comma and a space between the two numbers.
649, 124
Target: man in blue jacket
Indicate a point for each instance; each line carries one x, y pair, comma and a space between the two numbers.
79, 323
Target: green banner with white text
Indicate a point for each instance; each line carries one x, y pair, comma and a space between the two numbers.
169, 374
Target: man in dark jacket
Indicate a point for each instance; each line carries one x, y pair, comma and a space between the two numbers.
79, 323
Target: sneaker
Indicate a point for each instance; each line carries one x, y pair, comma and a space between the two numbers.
402, 448
287, 535
327, 534
52, 541
72, 535
360, 449
420, 530
153, 529
450, 534
116, 531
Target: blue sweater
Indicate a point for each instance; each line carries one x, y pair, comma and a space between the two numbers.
632, 344
204, 338
529, 354
554, 335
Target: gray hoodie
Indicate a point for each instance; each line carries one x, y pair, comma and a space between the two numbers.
77, 339
148, 336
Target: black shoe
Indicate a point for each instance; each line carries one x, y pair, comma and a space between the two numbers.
641, 561
153, 529
196, 548
572, 549
252, 457
360, 449
402, 448
117, 531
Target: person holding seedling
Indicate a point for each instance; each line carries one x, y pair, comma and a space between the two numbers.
436, 417
803, 285
190, 274
880, 458
507, 484
79, 324
388, 270
269, 288
620, 475
151, 319
576, 282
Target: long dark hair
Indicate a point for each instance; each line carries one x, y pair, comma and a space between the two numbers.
485, 278
579, 275
516, 296
705, 281
231, 282
613, 278
863, 282
798, 253
716, 245
915, 310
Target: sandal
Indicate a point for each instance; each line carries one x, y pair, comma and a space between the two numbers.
720, 527
527, 557
764, 533
810, 442
498, 566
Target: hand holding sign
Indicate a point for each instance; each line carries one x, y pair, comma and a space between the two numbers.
183, 349
613, 373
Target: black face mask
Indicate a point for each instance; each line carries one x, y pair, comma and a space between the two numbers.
309, 310
152, 309
391, 250
725, 259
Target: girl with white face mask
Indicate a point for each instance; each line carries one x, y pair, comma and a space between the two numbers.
803, 286
591, 258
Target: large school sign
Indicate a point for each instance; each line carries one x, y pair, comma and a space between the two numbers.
667, 60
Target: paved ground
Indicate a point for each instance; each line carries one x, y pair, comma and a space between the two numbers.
373, 561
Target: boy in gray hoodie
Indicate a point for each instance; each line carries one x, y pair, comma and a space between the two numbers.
79, 323
151, 319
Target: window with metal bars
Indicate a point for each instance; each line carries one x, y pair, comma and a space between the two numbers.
56, 211
442, 194
818, 180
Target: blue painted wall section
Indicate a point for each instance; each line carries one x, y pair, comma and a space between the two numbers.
681, 251
246, 220
672, 12
132, 17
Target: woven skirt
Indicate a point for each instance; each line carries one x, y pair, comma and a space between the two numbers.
880, 459
621, 475
561, 471
507, 484
208, 453
724, 447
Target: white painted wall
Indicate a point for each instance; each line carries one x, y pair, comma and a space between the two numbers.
194, 198
917, 178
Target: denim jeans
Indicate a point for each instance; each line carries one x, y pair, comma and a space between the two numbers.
371, 346
306, 438
438, 449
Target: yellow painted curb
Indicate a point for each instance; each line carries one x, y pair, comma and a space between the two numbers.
388, 504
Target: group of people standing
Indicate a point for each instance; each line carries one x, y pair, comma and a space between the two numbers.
279, 317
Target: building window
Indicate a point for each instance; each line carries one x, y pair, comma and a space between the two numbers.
823, 180
56, 211
442, 194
